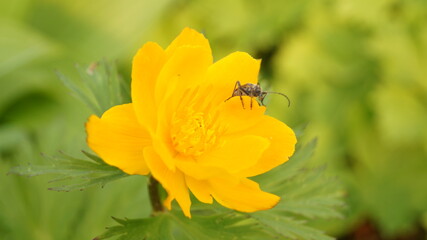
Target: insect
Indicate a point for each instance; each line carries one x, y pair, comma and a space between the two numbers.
253, 91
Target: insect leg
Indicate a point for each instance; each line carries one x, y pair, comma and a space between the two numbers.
236, 87
241, 100
240, 91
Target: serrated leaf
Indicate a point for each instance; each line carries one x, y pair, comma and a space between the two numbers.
78, 93
74, 173
306, 193
93, 157
173, 225
314, 207
100, 86
148, 228
285, 227
302, 187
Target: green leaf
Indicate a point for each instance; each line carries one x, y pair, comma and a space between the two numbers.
285, 227
173, 225
78, 93
306, 193
74, 173
100, 87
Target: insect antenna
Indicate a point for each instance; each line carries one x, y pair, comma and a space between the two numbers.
289, 101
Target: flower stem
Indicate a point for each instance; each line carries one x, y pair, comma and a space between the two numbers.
153, 190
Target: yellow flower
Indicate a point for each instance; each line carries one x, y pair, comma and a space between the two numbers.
180, 129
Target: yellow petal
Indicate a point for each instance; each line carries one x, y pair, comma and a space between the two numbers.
168, 201
224, 74
173, 182
200, 189
236, 153
146, 66
282, 146
118, 139
235, 118
185, 68
190, 37
246, 196
198, 171
161, 146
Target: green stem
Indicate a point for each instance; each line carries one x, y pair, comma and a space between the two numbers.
153, 190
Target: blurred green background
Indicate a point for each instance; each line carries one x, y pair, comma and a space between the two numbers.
355, 70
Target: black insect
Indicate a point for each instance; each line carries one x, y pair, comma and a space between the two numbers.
253, 91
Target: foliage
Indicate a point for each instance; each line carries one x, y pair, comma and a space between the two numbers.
101, 87
356, 75
306, 194
77, 173
173, 225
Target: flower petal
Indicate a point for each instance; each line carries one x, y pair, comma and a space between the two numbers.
223, 74
235, 118
173, 182
198, 171
118, 139
282, 146
146, 66
200, 188
161, 146
185, 68
236, 153
188, 36
246, 196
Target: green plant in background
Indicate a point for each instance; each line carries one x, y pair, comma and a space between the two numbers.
356, 71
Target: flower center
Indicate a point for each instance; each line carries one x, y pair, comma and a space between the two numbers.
192, 133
